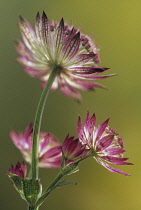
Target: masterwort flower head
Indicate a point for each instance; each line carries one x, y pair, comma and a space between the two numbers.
104, 143
57, 44
20, 170
50, 153
73, 149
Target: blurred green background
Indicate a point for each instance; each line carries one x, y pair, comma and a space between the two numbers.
116, 28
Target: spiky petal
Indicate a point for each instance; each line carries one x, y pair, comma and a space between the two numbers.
103, 142
73, 149
57, 44
20, 170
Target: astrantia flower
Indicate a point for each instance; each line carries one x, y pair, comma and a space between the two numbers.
73, 149
20, 170
57, 44
104, 143
49, 147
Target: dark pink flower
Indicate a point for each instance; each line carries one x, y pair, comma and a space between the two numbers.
105, 144
49, 147
57, 44
73, 149
20, 170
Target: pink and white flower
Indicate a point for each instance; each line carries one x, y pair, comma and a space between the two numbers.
104, 143
20, 170
57, 44
50, 153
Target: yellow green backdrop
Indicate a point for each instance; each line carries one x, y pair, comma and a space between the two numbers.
116, 28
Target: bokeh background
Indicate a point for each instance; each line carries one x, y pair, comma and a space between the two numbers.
116, 28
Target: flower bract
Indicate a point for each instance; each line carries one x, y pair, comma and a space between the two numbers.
50, 153
73, 149
105, 144
20, 170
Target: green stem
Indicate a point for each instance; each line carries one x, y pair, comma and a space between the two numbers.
29, 173
37, 122
92, 154
49, 189
55, 181
64, 171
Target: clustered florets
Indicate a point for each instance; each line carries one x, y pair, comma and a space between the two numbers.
49, 147
57, 44
103, 142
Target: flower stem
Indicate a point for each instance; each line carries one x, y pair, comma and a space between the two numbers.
55, 181
49, 189
37, 122
63, 172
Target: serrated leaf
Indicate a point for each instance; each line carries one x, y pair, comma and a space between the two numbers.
18, 184
32, 191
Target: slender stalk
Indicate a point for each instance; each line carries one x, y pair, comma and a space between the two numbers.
92, 154
29, 173
37, 122
49, 189
55, 181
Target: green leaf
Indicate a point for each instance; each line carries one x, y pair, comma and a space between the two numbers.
46, 193
60, 184
18, 184
32, 191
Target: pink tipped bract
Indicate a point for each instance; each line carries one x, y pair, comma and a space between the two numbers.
57, 44
50, 153
103, 142
73, 149
20, 170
